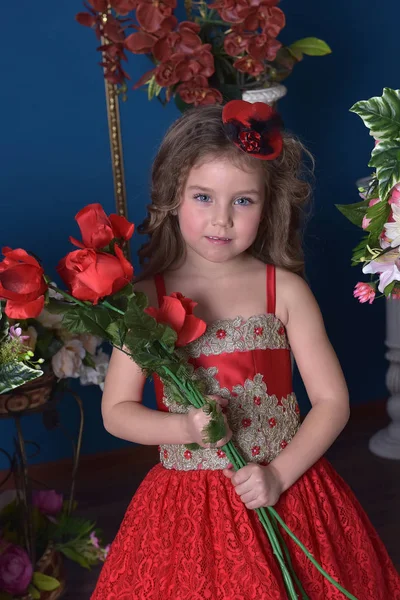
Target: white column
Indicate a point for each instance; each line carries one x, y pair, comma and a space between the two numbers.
386, 442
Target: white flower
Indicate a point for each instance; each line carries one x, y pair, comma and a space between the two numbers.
50, 320
90, 342
97, 375
67, 362
393, 229
387, 266
54, 294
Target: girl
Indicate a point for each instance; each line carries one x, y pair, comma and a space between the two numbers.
224, 229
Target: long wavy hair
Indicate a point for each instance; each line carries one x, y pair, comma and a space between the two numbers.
197, 136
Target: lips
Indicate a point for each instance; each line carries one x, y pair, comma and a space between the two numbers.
218, 239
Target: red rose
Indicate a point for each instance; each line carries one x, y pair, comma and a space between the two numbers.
21, 284
98, 230
92, 275
177, 312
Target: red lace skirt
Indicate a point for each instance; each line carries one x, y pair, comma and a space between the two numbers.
188, 536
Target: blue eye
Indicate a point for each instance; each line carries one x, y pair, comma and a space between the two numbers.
243, 201
202, 197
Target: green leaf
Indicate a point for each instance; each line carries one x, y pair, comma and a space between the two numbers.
60, 307
141, 300
75, 556
151, 88
45, 582
92, 320
379, 214
385, 158
116, 333
389, 288
5, 596
310, 46
34, 592
215, 430
360, 252
168, 338
381, 114
193, 446
13, 375
354, 212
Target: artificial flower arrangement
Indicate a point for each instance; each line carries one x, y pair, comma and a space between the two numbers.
67, 355
53, 526
17, 365
224, 48
378, 214
101, 301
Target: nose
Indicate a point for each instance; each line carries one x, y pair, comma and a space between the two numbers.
222, 217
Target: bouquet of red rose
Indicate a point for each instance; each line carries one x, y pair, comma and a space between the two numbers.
101, 300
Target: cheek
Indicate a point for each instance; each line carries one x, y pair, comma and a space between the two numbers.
190, 221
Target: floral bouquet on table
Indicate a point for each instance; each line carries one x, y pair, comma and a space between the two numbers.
378, 214
101, 301
55, 529
224, 48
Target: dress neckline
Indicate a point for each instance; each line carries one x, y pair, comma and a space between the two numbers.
243, 320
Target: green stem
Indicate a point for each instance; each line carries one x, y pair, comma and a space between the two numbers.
67, 296
209, 21
337, 585
111, 307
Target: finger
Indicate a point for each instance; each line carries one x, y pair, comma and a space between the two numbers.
249, 497
244, 488
229, 473
241, 476
254, 504
224, 440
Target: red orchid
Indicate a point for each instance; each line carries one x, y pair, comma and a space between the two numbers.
151, 13
201, 63
184, 40
249, 65
261, 47
197, 92
166, 73
237, 41
270, 19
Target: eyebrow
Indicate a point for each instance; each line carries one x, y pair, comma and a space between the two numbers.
206, 189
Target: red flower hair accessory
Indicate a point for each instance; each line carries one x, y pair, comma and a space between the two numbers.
254, 128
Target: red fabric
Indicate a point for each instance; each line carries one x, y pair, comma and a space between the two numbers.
187, 536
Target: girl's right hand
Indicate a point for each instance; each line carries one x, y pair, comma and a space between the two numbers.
197, 420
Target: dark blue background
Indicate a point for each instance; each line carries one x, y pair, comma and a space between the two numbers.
55, 158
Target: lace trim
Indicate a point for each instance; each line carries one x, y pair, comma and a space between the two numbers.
259, 332
262, 424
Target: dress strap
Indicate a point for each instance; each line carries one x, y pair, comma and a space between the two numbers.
160, 287
271, 289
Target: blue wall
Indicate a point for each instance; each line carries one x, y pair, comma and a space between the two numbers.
55, 159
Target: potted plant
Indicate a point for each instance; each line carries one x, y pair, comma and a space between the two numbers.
55, 533
225, 49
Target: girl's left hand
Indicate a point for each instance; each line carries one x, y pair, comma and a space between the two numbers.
256, 485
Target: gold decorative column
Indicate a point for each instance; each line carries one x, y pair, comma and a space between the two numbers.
117, 159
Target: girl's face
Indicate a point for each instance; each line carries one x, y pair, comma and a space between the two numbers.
221, 209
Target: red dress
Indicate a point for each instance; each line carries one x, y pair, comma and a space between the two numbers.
186, 534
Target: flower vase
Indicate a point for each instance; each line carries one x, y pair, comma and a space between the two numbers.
386, 442
269, 95
28, 396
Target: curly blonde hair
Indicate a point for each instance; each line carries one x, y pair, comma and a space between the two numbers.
199, 135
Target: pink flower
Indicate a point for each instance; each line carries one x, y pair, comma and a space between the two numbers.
47, 501
16, 333
365, 222
95, 540
395, 197
15, 571
365, 292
